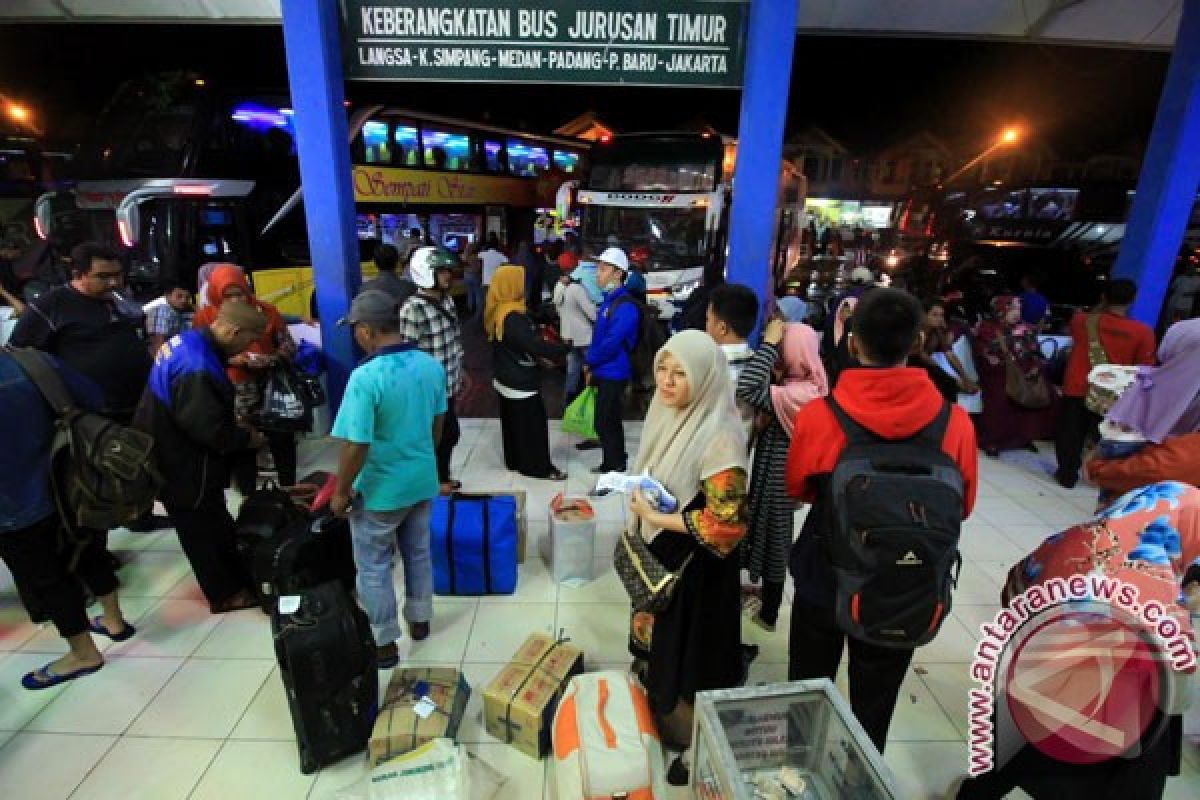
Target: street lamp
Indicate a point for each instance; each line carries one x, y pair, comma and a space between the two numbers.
18, 112
1008, 137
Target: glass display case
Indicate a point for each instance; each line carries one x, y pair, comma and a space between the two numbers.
784, 741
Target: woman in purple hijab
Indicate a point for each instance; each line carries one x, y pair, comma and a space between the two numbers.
1164, 401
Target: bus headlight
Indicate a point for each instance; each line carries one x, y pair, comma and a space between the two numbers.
682, 291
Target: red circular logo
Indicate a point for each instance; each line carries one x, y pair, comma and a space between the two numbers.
1084, 687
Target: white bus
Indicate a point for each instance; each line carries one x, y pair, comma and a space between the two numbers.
665, 199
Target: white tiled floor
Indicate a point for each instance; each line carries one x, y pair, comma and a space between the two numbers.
193, 707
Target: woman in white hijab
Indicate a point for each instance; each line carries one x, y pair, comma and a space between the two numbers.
693, 443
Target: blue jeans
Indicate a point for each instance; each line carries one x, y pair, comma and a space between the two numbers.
376, 535
475, 297
574, 373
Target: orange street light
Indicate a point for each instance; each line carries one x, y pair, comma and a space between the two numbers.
19, 113
1010, 136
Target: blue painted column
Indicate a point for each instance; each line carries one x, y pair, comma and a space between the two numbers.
768, 75
314, 62
1170, 176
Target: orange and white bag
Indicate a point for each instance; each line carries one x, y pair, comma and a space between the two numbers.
605, 742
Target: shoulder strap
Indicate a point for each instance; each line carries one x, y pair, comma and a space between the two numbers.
855, 434
1097, 355
45, 379
933, 434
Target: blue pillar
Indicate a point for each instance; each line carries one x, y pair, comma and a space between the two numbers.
1170, 176
768, 75
314, 61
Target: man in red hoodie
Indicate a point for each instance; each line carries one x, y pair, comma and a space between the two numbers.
893, 402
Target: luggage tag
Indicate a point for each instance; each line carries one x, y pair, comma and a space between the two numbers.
424, 707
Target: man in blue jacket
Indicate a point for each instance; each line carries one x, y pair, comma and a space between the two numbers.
188, 408
613, 340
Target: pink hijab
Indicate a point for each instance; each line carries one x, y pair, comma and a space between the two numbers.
804, 375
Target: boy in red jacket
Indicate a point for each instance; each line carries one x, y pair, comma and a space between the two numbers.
894, 402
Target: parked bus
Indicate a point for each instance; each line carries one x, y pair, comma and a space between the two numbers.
665, 198
183, 173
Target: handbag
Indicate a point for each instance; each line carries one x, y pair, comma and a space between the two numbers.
285, 407
1098, 398
648, 582
1027, 388
579, 418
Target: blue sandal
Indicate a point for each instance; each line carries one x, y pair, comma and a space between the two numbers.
32, 682
99, 629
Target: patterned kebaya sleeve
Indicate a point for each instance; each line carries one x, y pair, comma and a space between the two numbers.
721, 522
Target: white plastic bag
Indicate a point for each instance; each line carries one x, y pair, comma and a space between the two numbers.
438, 770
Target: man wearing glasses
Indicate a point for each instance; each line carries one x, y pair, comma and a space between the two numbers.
92, 329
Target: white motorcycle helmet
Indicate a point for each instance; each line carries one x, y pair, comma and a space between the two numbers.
426, 261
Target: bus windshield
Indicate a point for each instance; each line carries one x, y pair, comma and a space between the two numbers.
670, 238
657, 164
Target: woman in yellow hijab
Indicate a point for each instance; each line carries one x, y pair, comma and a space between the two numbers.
517, 378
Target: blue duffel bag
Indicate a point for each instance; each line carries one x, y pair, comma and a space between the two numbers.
474, 543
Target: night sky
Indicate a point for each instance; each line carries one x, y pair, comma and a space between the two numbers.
865, 92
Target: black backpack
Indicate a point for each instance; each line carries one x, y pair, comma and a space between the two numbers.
651, 336
897, 509
104, 472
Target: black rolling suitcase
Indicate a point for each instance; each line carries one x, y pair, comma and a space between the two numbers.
305, 553
326, 656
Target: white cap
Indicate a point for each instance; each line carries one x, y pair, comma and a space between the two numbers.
615, 256
861, 275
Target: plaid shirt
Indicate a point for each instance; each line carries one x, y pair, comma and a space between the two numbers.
434, 328
162, 320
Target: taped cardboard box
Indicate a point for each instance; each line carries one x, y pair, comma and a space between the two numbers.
519, 703
421, 704
522, 518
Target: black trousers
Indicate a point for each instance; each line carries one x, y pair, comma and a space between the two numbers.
282, 445
525, 433
207, 536
1045, 778
815, 649
610, 404
449, 440
1075, 425
39, 568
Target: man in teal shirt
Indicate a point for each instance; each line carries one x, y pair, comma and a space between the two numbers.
389, 423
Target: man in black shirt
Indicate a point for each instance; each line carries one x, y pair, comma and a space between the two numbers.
94, 331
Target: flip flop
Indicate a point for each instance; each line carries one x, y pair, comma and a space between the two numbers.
98, 628
30, 679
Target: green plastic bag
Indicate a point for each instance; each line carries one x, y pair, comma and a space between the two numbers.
580, 417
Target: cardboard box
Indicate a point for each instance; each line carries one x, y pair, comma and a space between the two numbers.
522, 519
407, 720
519, 703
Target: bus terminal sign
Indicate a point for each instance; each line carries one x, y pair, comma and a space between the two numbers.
636, 42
